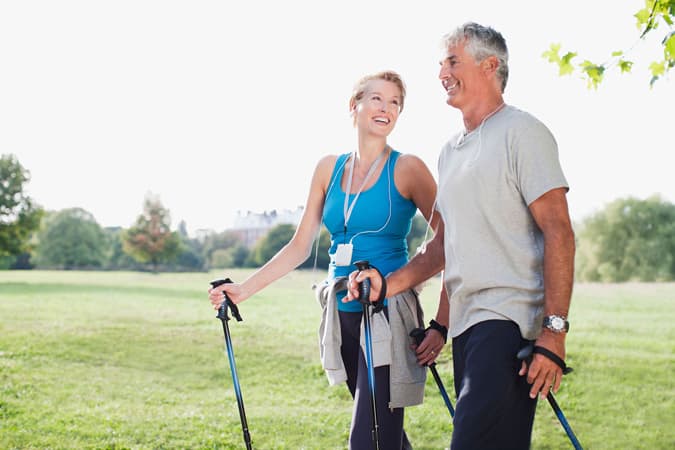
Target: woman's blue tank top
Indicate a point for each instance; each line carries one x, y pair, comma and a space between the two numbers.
377, 228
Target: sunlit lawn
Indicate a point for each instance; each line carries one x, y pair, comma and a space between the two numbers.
135, 360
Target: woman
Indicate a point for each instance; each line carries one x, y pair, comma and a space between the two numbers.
386, 188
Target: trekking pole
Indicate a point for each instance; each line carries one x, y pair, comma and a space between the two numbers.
526, 354
224, 318
364, 299
418, 334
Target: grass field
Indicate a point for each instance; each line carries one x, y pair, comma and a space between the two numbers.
110, 360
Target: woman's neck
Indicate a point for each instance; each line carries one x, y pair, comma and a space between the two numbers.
368, 150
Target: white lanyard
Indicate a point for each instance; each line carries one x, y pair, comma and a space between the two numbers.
347, 208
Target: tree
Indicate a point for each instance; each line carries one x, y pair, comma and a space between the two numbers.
19, 216
629, 239
269, 245
190, 256
150, 239
223, 250
116, 257
655, 14
70, 239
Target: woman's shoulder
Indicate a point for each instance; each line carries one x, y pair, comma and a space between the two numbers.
327, 162
327, 165
410, 162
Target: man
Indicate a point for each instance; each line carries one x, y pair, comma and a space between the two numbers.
506, 248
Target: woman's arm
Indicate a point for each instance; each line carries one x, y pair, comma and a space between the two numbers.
292, 254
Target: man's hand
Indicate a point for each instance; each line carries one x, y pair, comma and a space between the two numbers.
544, 374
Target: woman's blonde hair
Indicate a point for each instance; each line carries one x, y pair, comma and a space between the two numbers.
387, 75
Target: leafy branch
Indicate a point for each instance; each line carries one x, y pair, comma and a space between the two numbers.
655, 13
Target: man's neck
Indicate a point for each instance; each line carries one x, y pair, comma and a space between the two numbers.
473, 117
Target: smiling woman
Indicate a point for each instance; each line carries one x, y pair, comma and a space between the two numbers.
366, 199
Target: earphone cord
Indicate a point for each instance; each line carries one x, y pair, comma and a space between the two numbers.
318, 232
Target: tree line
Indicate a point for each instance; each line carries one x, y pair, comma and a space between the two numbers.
628, 240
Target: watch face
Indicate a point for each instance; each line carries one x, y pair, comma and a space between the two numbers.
558, 323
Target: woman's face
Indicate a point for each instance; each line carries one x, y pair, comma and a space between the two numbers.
377, 111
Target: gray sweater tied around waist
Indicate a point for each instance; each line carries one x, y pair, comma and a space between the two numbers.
391, 342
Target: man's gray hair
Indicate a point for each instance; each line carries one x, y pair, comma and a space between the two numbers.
480, 42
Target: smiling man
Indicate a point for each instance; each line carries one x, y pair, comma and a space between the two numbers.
505, 245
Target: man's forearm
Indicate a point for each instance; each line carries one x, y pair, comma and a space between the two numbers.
559, 249
419, 269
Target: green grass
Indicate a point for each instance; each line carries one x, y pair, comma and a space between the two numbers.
110, 360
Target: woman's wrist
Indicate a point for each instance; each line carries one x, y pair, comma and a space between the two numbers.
443, 330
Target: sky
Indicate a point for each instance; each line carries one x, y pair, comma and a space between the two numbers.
220, 108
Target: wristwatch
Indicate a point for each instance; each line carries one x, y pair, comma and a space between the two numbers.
557, 324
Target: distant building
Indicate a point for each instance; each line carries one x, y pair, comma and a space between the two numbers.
250, 226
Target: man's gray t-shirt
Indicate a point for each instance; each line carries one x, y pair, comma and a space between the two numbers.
494, 250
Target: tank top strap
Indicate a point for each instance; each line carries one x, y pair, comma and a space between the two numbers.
338, 169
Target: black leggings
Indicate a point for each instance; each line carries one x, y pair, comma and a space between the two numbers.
390, 421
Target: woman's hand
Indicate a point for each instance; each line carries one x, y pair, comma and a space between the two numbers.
233, 290
357, 277
430, 348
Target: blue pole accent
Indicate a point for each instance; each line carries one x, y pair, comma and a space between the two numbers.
368, 337
563, 421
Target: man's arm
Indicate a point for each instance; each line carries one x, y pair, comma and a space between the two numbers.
551, 214
420, 268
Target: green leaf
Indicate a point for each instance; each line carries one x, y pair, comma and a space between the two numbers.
565, 64
657, 68
552, 53
669, 46
617, 53
642, 17
594, 73
625, 66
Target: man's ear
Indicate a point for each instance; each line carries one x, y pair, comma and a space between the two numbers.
490, 64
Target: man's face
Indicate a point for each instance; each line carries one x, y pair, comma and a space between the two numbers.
462, 77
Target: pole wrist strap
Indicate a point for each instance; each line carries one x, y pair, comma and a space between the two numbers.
433, 325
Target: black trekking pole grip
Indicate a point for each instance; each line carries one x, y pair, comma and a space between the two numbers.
364, 286
222, 310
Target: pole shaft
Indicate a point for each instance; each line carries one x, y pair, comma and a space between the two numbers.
237, 386
563, 421
444, 394
371, 373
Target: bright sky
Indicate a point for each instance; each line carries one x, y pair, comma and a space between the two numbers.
219, 107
